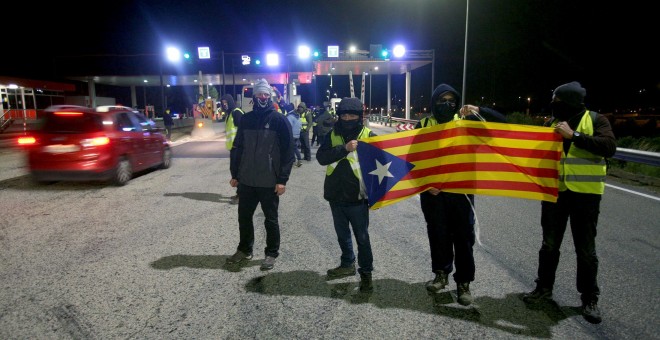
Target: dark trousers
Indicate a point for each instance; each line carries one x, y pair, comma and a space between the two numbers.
315, 136
250, 197
168, 131
304, 145
583, 211
450, 228
356, 216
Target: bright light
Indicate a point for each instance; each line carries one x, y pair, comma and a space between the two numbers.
304, 52
173, 54
352, 49
399, 51
272, 59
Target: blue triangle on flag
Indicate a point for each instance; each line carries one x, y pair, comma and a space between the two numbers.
381, 170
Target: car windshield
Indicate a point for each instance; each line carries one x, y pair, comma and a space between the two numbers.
85, 123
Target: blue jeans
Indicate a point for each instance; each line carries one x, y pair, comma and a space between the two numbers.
583, 211
296, 150
357, 215
250, 197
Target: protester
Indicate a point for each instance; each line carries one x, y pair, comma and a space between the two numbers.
326, 120
260, 168
315, 127
588, 141
306, 120
450, 216
345, 191
296, 126
234, 115
168, 122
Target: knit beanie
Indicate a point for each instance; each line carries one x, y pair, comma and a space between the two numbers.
261, 86
571, 93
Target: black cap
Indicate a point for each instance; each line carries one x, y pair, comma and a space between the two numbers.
349, 105
571, 93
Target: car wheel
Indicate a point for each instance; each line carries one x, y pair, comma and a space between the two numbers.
123, 172
167, 158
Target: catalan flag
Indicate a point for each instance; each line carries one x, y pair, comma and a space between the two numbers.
462, 156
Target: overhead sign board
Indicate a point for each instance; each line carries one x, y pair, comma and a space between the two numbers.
333, 51
204, 52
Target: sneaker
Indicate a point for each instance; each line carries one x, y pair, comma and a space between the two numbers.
463, 292
268, 264
366, 285
239, 257
340, 271
591, 312
298, 164
537, 295
234, 200
440, 281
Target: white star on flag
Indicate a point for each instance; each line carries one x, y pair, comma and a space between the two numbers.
382, 171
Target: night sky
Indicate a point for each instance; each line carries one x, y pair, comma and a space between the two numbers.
516, 49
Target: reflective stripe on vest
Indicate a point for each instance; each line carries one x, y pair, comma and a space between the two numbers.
581, 170
231, 129
352, 158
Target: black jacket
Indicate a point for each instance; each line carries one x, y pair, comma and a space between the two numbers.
341, 186
263, 149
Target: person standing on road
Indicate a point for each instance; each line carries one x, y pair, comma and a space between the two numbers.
296, 126
325, 123
345, 191
260, 168
232, 121
588, 141
306, 120
168, 122
315, 127
449, 216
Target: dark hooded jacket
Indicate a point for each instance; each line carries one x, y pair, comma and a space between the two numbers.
232, 110
263, 147
444, 115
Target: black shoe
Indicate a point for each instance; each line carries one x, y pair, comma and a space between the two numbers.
268, 264
591, 312
440, 281
537, 295
463, 293
340, 271
366, 285
234, 200
239, 257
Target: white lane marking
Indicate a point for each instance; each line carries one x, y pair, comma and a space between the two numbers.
633, 192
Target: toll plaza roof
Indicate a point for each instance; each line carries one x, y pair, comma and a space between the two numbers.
346, 63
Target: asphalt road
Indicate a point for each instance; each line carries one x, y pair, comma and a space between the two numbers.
146, 261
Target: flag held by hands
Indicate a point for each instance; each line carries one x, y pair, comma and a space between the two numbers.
462, 156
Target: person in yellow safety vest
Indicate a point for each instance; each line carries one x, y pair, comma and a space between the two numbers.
231, 127
588, 141
344, 189
306, 120
450, 216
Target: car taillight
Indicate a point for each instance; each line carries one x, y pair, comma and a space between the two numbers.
97, 141
26, 140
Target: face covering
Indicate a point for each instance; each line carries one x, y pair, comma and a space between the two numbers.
349, 125
563, 111
263, 103
444, 112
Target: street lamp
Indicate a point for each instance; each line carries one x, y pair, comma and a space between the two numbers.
467, 9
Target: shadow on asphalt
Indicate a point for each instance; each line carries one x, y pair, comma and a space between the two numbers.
201, 196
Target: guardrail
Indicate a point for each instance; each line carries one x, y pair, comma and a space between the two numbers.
622, 154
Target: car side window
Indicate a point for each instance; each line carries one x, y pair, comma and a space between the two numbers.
124, 123
145, 124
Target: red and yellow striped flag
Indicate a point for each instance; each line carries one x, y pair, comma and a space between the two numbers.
462, 156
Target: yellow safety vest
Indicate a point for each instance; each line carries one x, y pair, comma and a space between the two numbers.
231, 129
351, 157
580, 170
430, 121
303, 120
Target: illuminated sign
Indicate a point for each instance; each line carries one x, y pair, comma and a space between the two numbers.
245, 59
333, 51
204, 52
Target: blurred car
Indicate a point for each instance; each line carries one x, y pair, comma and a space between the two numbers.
109, 143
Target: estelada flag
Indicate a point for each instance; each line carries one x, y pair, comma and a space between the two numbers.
463, 156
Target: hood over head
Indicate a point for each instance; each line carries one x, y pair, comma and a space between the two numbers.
231, 105
444, 112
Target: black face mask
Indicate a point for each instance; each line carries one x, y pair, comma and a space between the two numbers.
349, 125
563, 111
444, 112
